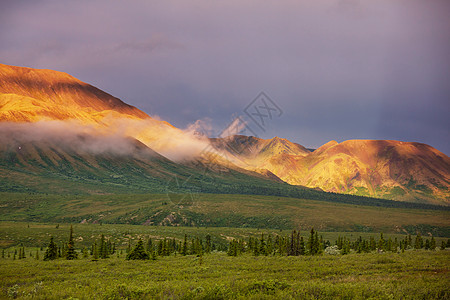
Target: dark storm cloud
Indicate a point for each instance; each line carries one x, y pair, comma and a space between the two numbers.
339, 69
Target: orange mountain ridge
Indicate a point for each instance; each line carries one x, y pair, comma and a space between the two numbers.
35, 95
30, 95
388, 169
381, 168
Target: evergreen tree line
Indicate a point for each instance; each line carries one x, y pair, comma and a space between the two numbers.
295, 244
103, 248
391, 245
267, 244
170, 246
19, 254
291, 245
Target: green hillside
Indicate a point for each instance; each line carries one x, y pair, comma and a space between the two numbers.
220, 210
49, 167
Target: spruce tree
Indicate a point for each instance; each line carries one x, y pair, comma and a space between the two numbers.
302, 246
103, 251
63, 250
52, 250
109, 248
208, 244
381, 243
166, 247
317, 244
94, 252
427, 244
153, 254
291, 250
160, 248
372, 244
432, 244
418, 244
174, 245
389, 245
233, 248
443, 245
321, 244
345, 247
255, 247
262, 245
85, 252
359, 245
230, 247
149, 245
185, 246
71, 253
311, 243
269, 246
138, 252
192, 247
297, 244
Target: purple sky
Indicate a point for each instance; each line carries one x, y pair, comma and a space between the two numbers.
339, 70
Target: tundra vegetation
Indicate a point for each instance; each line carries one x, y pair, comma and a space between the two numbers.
57, 261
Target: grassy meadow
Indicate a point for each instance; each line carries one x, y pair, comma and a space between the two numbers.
410, 275
27, 221
222, 210
414, 274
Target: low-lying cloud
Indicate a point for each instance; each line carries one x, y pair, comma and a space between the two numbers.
118, 137
66, 135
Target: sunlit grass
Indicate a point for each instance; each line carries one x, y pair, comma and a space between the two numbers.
409, 275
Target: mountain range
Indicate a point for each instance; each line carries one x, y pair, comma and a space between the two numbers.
377, 168
56, 129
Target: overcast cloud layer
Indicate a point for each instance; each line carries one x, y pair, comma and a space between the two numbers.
339, 70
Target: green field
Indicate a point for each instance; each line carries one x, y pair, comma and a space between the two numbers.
222, 210
413, 274
28, 220
410, 275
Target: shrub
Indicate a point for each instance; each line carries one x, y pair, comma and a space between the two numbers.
13, 291
268, 286
332, 250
